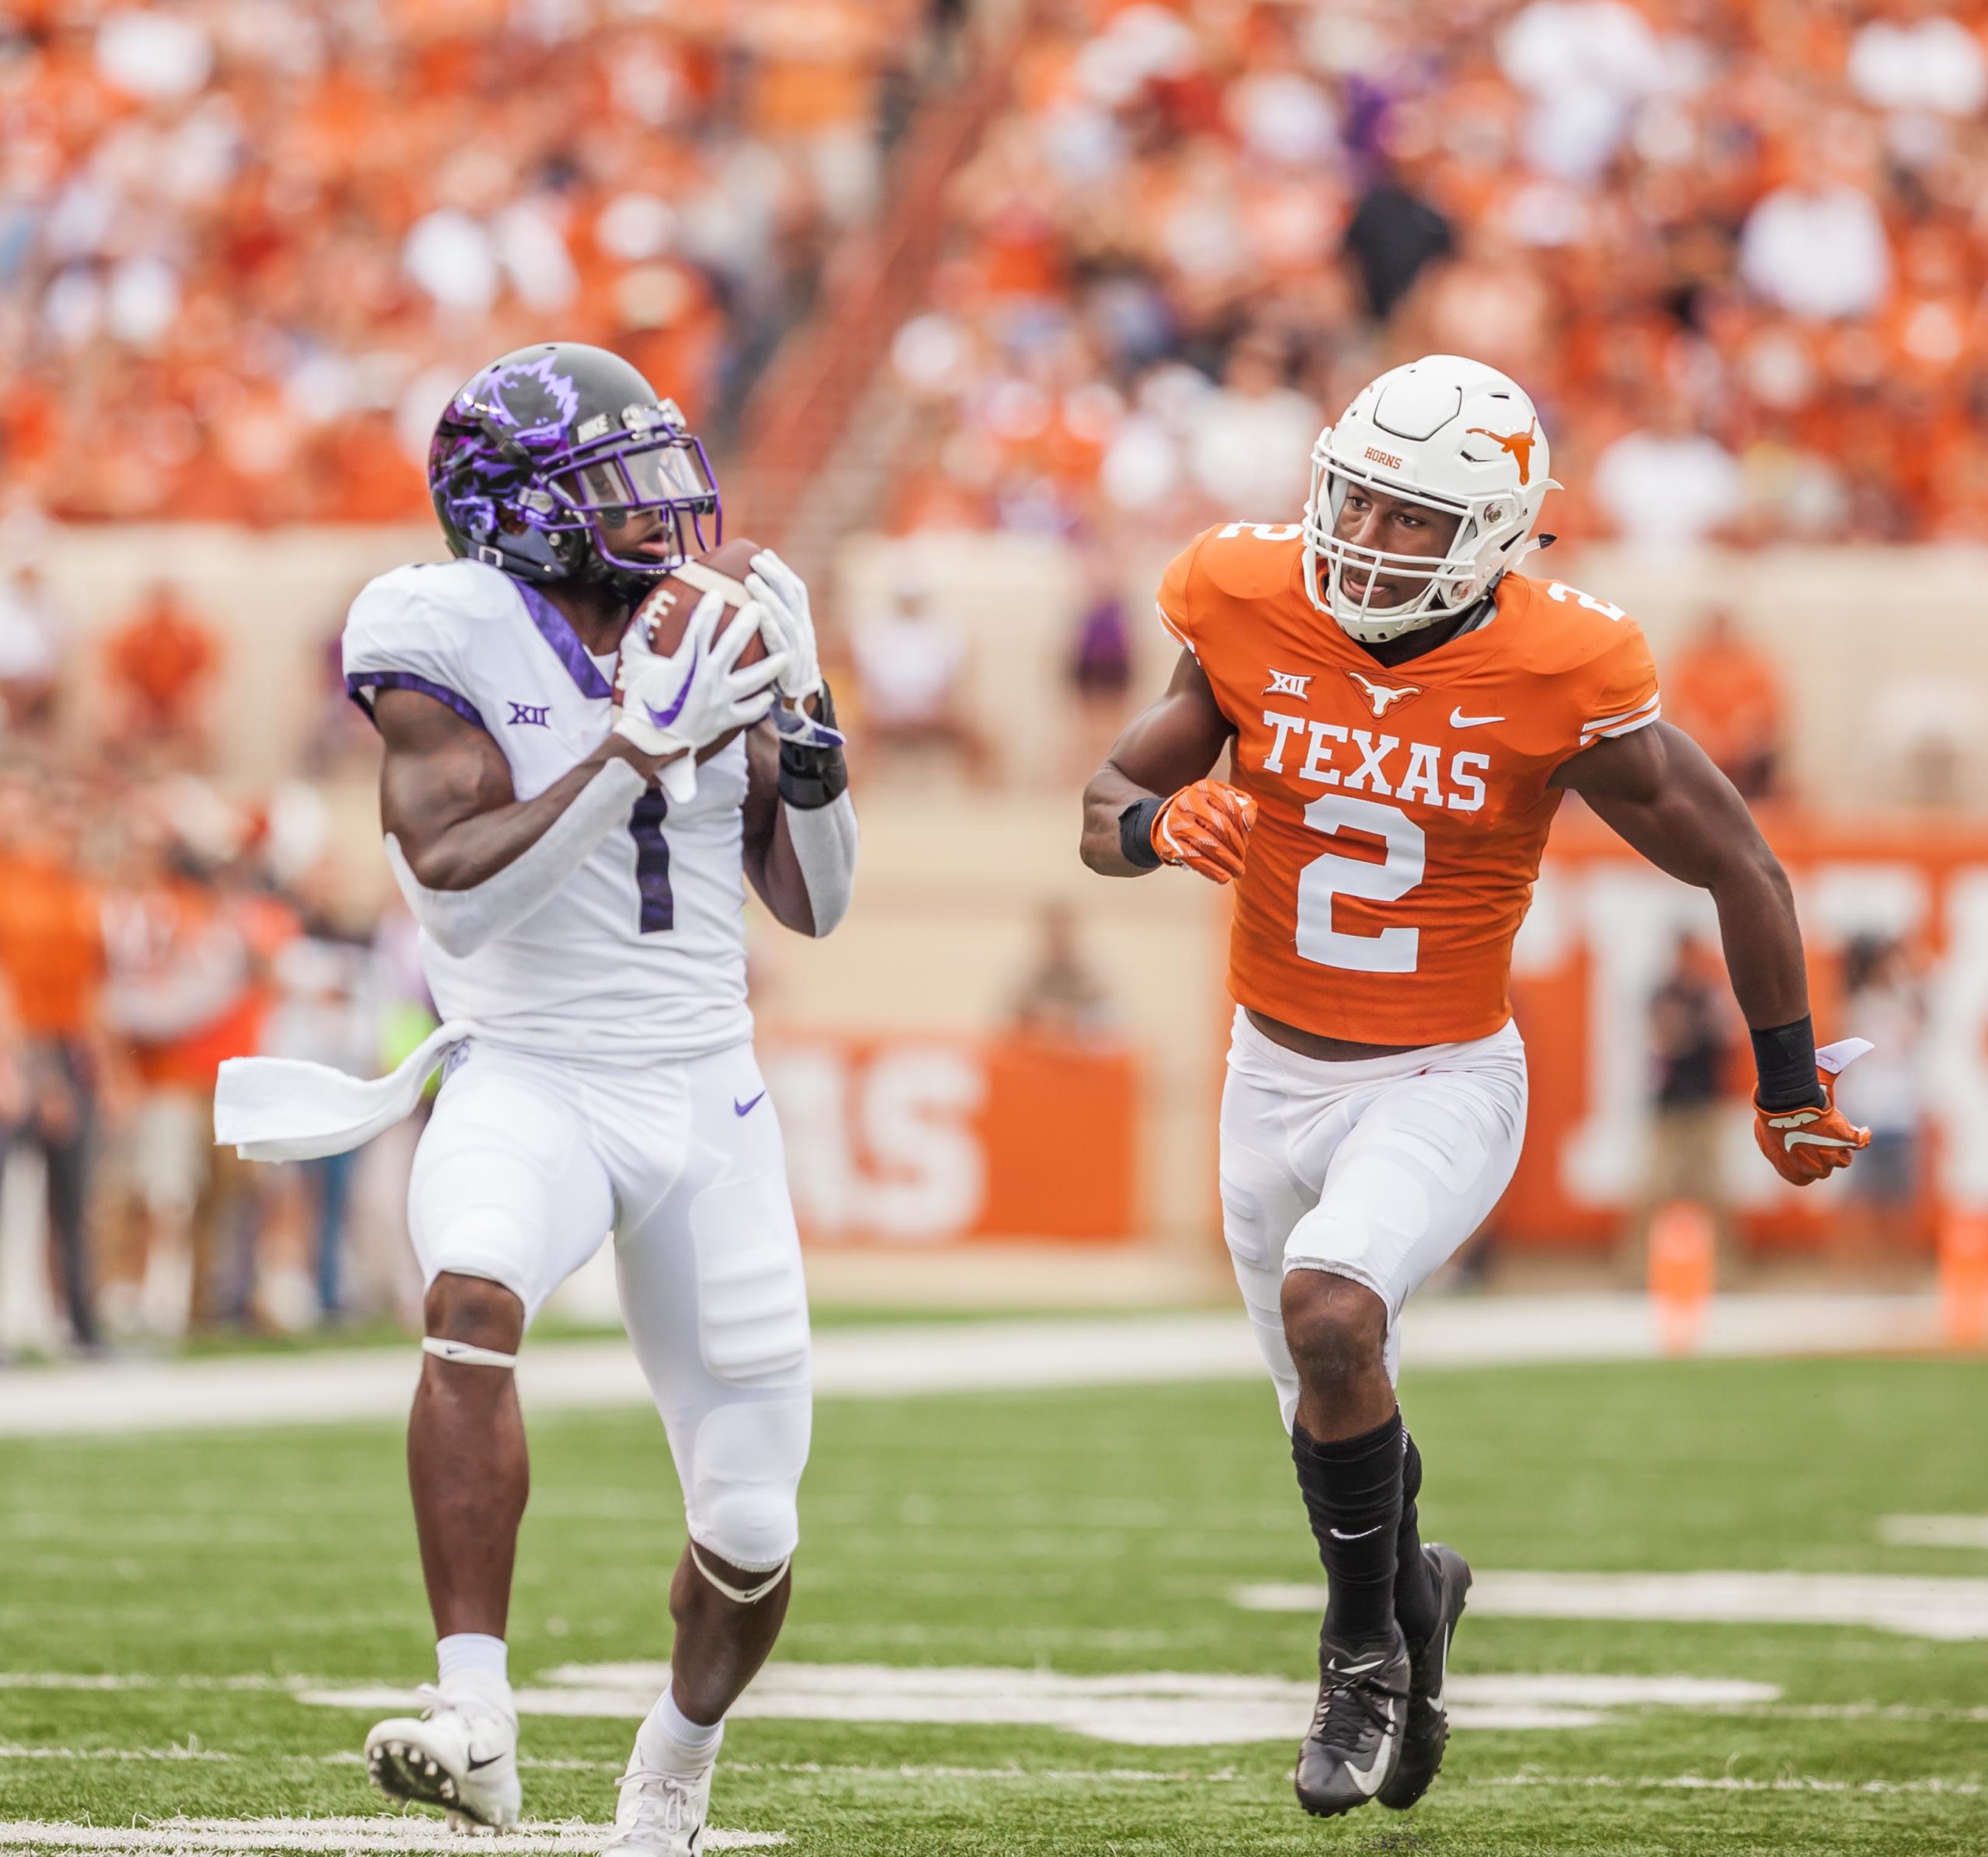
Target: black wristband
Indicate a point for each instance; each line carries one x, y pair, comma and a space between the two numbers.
811, 778
1135, 834
1785, 1059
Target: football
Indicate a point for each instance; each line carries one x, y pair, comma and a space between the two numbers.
665, 611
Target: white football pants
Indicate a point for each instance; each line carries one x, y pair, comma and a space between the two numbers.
527, 1162
1377, 1170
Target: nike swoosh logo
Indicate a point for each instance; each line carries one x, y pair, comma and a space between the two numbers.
1368, 1780
739, 1108
1816, 1141
1442, 1674
1459, 719
663, 717
1354, 1670
1340, 1535
489, 1759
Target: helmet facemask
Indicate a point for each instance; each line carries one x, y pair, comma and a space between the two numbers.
1490, 529
621, 474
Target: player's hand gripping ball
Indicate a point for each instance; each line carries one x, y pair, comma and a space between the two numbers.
1806, 1145
664, 612
694, 669
1205, 827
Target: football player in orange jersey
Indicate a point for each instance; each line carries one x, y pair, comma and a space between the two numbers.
1402, 712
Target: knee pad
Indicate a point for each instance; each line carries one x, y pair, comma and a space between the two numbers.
755, 1529
743, 1478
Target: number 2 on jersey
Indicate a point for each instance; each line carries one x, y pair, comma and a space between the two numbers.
1332, 874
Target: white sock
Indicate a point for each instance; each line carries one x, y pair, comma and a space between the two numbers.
671, 1740
474, 1660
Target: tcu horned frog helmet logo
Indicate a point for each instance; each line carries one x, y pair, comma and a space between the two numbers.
1417, 437
540, 454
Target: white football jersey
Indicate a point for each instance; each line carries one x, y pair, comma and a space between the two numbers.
640, 956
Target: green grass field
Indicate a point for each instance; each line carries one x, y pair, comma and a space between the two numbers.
1083, 1534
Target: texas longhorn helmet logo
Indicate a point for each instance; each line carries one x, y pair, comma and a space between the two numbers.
1381, 698
1517, 446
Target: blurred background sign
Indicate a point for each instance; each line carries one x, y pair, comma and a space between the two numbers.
923, 1141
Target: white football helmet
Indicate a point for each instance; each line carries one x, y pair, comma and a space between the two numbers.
1448, 433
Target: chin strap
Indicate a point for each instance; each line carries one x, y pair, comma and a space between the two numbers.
741, 1595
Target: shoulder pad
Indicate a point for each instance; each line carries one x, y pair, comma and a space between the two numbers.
1250, 561
421, 623
1557, 627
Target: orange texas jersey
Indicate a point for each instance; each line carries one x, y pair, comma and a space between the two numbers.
1401, 812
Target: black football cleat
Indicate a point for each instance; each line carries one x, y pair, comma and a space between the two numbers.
1428, 1731
1354, 1745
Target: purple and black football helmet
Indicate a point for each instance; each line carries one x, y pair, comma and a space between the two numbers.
549, 446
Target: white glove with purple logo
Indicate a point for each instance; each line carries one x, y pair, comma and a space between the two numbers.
786, 623
678, 704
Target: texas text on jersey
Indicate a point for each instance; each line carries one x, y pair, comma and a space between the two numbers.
1402, 812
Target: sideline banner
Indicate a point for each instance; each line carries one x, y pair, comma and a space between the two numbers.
1603, 932
930, 1142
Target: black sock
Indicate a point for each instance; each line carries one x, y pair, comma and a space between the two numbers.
1415, 1586
1353, 1494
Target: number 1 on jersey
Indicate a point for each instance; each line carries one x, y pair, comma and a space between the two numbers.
658, 907
1393, 950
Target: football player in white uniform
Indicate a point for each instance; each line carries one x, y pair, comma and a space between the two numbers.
579, 878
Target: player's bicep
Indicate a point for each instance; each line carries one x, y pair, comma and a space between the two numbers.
438, 770
1658, 791
1178, 740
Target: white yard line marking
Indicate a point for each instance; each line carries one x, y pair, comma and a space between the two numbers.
1152, 1709
1952, 1610
1126, 1776
1934, 1531
329, 1834
60, 1679
1726, 1783
897, 1359
294, 1760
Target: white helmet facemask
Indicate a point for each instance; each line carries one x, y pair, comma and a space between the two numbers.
1453, 437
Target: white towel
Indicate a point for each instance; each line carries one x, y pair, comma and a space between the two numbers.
284, 1109
1837, 1058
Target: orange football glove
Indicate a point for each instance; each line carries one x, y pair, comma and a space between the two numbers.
1804, 1144
1206, 827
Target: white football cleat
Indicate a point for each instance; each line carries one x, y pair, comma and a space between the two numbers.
660, 1814
461, 1753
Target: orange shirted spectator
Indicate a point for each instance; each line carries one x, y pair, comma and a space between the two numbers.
161, 661
1726, 694
52, 966
189, 990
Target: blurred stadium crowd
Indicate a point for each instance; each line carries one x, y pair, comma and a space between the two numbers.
1735, 249
247, 248
149, 929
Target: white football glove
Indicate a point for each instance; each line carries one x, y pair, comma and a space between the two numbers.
788, 626
678, 705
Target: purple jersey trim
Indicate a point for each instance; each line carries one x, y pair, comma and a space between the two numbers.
361, 681
566, 646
